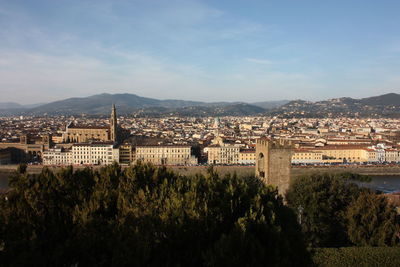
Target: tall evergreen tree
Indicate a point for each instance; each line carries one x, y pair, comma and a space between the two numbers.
145, 216
320, 201
372, 221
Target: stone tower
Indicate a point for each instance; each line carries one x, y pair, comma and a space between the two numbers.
113, 124
273, 162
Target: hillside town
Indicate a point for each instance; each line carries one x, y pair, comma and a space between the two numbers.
90, 140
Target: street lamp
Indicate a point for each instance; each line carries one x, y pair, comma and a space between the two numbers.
300, 210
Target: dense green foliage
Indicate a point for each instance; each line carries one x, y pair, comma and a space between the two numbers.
322, 200
357, 257
334, 212
145, 216
372, 221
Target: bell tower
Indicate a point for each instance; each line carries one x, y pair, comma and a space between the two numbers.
113, 124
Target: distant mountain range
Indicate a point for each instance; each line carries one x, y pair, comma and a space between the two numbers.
101, 104
387, 105
141, 106
13, 105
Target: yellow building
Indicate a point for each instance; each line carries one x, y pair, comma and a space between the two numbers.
166, 155
353, 142
223, 154
302, 156
371, 155
346, 153
56, 139
247, 156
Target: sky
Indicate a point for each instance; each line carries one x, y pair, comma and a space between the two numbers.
226, 50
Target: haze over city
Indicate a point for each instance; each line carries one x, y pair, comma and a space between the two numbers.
198, 50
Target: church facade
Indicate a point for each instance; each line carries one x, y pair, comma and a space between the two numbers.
83, 134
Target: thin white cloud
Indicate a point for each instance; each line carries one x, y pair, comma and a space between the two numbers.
61, 64
259, 61
38, 77
67, 64
35, 77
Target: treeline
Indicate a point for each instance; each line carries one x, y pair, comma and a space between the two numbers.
149, 216
357, 257
334, 212
145, 216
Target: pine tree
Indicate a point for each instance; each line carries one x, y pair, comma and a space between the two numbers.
372, 221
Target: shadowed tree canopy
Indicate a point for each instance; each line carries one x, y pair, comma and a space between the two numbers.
145, 216
334, 212
372, 221
321, 201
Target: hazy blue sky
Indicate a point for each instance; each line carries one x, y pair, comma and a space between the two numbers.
199, 50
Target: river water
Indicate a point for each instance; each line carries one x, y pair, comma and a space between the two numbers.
384, 183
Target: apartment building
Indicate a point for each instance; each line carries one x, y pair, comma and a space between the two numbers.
247, 156
347, 153
166, 155
225, 154
57, 156
126, 154
392, 155
302, 156
95, 153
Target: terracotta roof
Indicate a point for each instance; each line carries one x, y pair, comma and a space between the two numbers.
304, 151
343, 147
349, 140
164, 146
215, 145
87, 127
94, 143
248, 151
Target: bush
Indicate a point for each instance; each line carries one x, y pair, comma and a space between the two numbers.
357, 257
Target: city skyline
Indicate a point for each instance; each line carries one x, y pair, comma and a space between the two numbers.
198, 50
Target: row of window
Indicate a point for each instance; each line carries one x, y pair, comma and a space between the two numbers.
154, 156
163, 151
91, 148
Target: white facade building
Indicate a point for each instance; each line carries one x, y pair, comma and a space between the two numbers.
95, 153
218, 154
222, 153
90, 153
392, 155
57, 156
166, 155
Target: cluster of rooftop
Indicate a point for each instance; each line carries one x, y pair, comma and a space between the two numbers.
189, 140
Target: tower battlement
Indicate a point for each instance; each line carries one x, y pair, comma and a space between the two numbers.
273, 162
275, 143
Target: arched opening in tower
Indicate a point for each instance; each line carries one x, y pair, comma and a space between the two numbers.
261, 165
